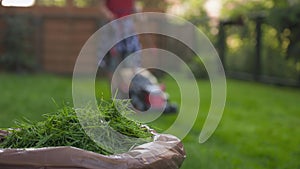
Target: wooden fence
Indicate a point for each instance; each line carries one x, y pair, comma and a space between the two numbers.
58, 33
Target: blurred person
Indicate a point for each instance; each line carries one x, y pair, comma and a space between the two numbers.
112, 10
131, 82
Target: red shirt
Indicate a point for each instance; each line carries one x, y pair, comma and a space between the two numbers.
120, 7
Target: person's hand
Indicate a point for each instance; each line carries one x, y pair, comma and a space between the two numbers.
109, 15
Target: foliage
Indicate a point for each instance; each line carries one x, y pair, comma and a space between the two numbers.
18, 55
58, 3
150, 4
84, 3
236, 8
280, 36
240, 47
286, 20
62, 3
274, 61
198, 68
189, 9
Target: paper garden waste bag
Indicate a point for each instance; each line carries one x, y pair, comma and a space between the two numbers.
164, 152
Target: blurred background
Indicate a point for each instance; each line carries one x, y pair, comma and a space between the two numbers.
258, 43
257, 40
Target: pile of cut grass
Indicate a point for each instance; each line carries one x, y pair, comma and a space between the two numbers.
63, 128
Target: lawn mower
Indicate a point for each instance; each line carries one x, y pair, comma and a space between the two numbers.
145, 93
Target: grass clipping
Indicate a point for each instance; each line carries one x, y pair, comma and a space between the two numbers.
113, 132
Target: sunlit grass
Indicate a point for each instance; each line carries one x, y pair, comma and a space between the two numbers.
259, 128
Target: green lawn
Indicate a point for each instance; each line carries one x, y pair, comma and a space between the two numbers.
259, 129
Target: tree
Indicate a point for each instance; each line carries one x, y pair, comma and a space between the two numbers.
286, 20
